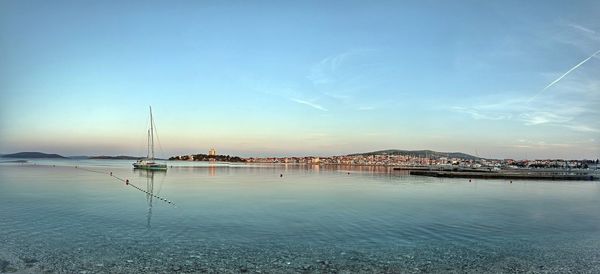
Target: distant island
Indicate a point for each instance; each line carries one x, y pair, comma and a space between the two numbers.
40, 155
206, 157
120, 157
33, 155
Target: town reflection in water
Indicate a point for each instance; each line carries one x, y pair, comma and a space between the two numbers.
212, 170
216, 169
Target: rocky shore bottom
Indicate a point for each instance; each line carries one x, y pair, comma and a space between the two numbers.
204, 257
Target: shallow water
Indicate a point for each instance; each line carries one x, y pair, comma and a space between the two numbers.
231, 218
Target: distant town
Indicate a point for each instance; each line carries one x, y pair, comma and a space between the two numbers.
389, 158
415, 162
402, 158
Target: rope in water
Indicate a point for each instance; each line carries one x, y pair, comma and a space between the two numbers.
128, 183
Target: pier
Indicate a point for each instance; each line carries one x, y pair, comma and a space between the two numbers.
507, 175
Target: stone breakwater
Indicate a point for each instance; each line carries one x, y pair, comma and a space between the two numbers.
505, 175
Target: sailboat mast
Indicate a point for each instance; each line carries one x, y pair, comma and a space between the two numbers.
152, 132
148, 151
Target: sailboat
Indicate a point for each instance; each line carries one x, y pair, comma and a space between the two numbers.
148, 163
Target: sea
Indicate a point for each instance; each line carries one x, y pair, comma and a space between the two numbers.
101, 216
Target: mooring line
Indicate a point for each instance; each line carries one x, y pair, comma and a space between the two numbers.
126, 181
151, 194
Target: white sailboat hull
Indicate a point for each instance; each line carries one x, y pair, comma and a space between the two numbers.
149, 163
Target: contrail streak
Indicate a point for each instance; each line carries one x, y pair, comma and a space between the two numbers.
313, 105
572, 69
565, 74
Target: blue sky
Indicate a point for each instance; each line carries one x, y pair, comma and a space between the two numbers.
262, 78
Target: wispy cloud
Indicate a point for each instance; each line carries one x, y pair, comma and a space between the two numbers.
542, 117
583, 128
585, 31
327, 70
337, 96
481, 115
310, 104
549, 144
573, 104
574, 107
582, 38
324, 71
344, 77
581, 28
571, 115
539, 145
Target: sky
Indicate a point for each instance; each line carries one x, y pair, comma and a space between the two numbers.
285, 78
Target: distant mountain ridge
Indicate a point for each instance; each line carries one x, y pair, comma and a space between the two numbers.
120, 157
419, 153
41, 155
33, 155
411, 153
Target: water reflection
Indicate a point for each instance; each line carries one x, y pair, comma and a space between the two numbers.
149, 175
374, 170
218, 168
360, 169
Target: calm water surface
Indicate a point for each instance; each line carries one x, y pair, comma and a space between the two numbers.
237, 218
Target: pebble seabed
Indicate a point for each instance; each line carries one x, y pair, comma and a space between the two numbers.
203, 257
